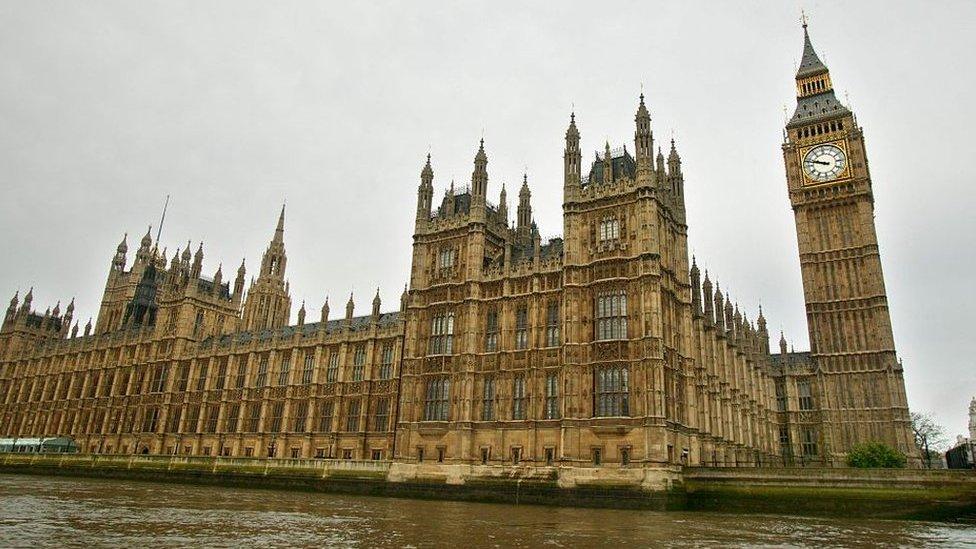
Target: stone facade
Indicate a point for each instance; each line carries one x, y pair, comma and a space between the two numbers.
605, 346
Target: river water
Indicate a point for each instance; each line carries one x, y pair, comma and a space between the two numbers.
43, 512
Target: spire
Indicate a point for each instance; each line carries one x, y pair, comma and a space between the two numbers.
404, 299
218, 279
376, 305
719, 309
280, 229
301, 315
814, 89
643, 139
479, 177
503, 205
782, 343
28, 299
696, 305
325, 310
425, 193
146, 240
810, 63
524, 213
88, 327
572, 160
350, 307
118, 263
74, 330
707, 300
57, 309
197, 262
239, 281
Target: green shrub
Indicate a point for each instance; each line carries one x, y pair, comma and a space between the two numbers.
875, 454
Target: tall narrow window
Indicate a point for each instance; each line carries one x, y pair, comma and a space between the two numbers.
612, 393
552, 324
488, 400
213, 413
159, 379
491, 332
352, 415
552, 396
804, 393
309, 366
285, 370
230, 420
202, 377
332, 374
808, 442
780, 385
325, 416
381, 417
198, 323
436, 401
518, 397
262, 377
299, 415
277, 411
253, 416
241, 378
386, 362
611, 316
521, 328
192, 419
221, 380
184, 377
172, 422
359, 363
441, 334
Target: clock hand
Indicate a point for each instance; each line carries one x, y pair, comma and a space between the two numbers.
820, 162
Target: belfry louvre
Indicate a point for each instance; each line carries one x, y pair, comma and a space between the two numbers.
605, 347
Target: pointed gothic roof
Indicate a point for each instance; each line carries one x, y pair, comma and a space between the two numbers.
810, 63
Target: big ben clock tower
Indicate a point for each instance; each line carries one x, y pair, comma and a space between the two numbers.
861, 390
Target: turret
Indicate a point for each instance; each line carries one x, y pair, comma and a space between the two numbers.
218, 279
763, 332
88, 328
607, 165
301, 315
197, 263
325, 311
350, 307
524, 214
719, 310
479, 177
696, 305
643, 143
782, 344
661, 172
675, 179
707, 301
376, 306
145, 247
503, 205
25, 308
239, 281
729, 318
425, 194
572, 160
12, 309
118, 262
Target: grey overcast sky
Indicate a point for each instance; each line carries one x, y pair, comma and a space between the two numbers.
233, 107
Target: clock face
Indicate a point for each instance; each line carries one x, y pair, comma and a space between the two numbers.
824, 162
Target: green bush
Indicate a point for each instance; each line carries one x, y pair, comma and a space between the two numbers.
873, 455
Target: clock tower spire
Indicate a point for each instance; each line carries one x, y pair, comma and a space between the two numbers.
851, 343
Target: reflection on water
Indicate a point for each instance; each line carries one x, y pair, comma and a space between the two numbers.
40, 511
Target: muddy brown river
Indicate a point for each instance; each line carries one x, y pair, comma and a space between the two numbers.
45, 512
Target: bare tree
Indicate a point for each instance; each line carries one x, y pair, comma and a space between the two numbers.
929, 435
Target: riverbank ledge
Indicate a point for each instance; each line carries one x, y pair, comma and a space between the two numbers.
870, 493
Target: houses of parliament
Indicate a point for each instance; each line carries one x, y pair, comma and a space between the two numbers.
606, 347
